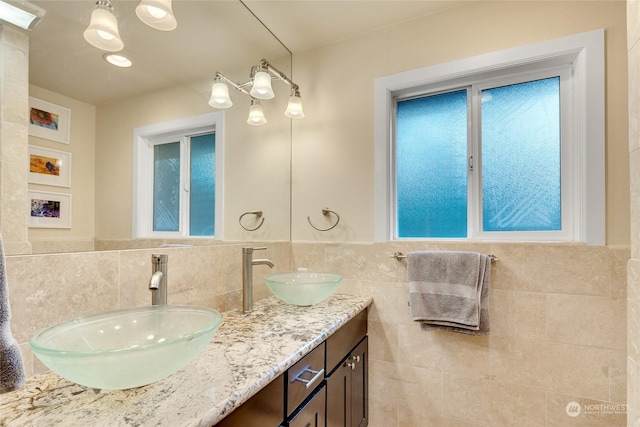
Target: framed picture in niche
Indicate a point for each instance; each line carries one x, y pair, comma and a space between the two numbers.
49, 210
49, 167
49, 121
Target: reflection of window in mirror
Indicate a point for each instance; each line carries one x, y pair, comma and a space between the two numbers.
178, 172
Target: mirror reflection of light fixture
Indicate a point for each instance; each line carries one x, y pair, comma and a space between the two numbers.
21, 14
102, 31
157, 14
256, 115
261, 87
294, 106
260, 83
220, 94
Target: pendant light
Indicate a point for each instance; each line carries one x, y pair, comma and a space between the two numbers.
102, 31
157, 14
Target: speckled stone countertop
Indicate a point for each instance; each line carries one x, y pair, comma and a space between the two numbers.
246, 354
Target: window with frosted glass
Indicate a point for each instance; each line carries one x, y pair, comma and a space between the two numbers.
202, 184
521, 157
431, 166
519, 169
166, 187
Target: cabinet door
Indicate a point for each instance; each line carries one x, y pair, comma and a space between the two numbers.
338, 396
313, 412
360, 385
347, 390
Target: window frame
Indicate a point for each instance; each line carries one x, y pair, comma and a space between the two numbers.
584, 53
144, 140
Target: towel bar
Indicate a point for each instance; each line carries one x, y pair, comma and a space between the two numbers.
399, 255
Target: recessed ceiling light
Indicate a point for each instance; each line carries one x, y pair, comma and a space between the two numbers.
118, 60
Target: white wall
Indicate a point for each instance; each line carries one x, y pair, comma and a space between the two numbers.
333, 147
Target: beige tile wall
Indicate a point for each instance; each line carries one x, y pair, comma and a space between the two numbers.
14, 76
558, 335
633, 295
557, 313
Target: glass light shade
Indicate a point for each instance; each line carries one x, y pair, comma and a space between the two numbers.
256, 115
220, 96
157, 14
102, 32
261, 88
294, 108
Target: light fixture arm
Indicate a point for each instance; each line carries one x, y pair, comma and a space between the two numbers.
240, 87
264, 64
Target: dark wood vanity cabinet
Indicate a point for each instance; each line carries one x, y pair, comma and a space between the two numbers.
347, 384
326, 388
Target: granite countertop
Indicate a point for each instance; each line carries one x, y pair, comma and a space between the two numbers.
246, 354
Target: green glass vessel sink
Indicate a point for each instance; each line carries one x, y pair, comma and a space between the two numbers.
126, 348
303, 287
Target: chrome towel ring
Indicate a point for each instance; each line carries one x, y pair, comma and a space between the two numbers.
258, 214
325, 212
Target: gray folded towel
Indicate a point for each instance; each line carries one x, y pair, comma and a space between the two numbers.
450, 290
12, 375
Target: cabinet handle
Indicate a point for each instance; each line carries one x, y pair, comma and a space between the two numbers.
308, 383
351, 365
356, 358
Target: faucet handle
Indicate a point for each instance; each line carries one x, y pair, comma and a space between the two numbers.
250, 250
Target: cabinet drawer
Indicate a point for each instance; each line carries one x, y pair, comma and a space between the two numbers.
312, 414
344, 339
304, 377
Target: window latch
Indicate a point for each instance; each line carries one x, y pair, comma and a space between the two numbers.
470, 163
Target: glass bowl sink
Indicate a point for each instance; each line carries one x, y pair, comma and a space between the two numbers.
126, 348
303, 287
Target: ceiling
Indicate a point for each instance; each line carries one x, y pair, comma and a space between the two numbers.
212, 35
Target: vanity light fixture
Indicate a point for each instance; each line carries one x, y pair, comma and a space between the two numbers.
260, 84
21, 14
102, 31
157, 14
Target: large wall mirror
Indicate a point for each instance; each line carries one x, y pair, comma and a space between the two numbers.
170, 79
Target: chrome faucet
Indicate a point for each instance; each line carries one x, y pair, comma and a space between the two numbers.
158, 281
247, 276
